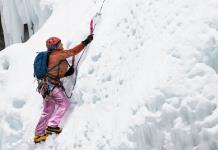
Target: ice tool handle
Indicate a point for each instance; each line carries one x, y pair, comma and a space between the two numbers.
94, 20
91, 27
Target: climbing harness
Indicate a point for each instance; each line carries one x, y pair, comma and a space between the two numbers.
47, 84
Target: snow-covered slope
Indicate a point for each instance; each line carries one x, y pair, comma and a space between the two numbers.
148, 82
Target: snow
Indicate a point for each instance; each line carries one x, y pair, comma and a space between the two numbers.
147, 82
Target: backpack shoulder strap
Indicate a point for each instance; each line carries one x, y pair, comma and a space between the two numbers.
57, 65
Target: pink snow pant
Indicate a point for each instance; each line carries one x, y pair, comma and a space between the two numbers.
54, 109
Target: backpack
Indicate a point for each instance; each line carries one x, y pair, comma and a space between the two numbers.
41, 65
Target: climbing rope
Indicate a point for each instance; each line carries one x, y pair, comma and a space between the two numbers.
92, 29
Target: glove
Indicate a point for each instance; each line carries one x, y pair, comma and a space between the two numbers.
88, 40
69, 72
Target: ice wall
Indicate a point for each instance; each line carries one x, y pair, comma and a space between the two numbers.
22, 18
148, 82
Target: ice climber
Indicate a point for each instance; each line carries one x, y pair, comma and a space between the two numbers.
55, 101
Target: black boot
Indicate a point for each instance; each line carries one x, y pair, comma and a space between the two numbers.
50, 130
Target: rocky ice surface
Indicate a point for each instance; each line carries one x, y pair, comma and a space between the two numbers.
22, 18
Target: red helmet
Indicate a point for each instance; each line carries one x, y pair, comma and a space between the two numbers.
52, 42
